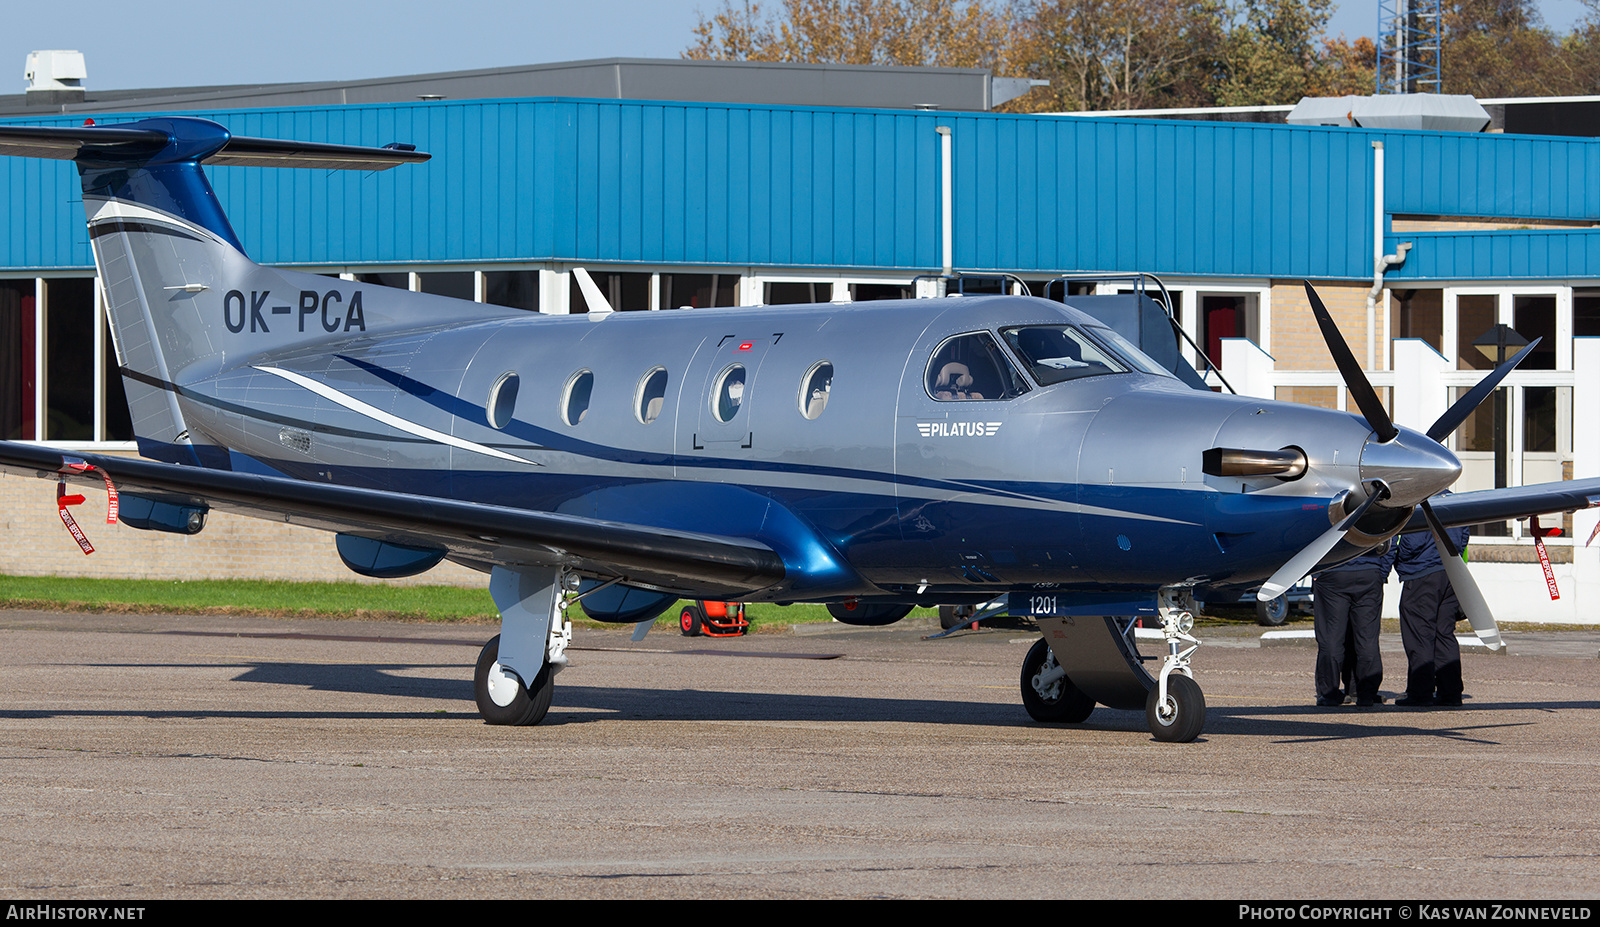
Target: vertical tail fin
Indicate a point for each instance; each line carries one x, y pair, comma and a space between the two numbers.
184, 300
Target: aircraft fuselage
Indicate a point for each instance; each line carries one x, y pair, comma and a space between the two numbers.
830, 444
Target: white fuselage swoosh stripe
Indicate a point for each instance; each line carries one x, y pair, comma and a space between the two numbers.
394, 421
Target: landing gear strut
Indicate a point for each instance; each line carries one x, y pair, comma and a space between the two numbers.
1176, 708
513, 681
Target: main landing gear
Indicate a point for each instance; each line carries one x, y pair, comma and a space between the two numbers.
514, 678
1087, 660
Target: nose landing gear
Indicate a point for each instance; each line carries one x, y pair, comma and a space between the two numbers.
1084, 660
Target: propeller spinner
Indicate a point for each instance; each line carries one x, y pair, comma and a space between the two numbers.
1400, 470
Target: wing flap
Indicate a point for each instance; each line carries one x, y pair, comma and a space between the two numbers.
676, 561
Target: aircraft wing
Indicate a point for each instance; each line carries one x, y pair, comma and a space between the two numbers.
1487, 505
673, 561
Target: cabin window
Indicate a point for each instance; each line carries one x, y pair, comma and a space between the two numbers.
1055, 353
503, 399
971, 367
575, 399
651, 395
728, 397
814, 387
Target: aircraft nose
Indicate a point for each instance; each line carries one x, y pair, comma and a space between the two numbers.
1412, 465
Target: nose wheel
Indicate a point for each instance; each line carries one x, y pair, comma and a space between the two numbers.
1179, 716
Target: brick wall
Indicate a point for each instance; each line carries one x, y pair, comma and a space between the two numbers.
1297, 342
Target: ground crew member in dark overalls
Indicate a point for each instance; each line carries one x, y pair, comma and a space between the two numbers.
1428, 615
1347, 606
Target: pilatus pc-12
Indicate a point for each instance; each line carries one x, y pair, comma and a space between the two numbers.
873, 456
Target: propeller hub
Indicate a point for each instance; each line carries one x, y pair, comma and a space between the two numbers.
1412, 465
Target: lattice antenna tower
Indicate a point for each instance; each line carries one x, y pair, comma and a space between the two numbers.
1408, 46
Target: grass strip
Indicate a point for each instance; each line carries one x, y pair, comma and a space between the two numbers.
283, 599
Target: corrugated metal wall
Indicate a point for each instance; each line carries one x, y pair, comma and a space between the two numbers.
606, 181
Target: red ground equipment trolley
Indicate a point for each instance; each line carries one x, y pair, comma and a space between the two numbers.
713, 619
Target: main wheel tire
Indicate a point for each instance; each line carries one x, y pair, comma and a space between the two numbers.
1184, 714
1274, 612
954, 616
689, 621
863, 615
531, 703
1068, 705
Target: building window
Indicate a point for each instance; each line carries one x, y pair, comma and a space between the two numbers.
699, 291
1418, 314
516, 289
1229, 315
70, 359
865, 292
1476, 313
1535, 317
788, 292
17, 353
400, 280
459, 284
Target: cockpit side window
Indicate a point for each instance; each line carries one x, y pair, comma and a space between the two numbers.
1055, 353
972, 367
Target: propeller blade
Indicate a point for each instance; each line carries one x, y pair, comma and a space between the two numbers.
1355, 379
1473, 605
1456, 414
1306, 561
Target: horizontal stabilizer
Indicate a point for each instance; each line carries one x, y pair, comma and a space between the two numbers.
273, 152
114, 144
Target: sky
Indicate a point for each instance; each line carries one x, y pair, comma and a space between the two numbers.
184, 43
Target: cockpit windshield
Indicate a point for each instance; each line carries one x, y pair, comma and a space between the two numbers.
1130, 351
1055, 353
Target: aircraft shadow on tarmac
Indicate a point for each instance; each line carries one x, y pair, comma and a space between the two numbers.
577, 704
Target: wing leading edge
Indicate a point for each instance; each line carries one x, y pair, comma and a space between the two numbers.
673, 561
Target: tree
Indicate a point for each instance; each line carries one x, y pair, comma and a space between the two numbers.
1345, 68
1119, 54
1500, 48
1272, 55
927, 33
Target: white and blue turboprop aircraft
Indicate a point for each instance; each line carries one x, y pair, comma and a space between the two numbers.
873, 456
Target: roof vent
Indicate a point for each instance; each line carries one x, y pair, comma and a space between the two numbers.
1432, 112
55, 77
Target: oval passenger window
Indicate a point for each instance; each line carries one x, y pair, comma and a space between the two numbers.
814, 388
503, 399
575, 400
728, 397
652, 394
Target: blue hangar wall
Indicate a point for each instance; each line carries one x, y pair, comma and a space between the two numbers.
699, 184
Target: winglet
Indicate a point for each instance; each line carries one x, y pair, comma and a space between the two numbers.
591, 292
